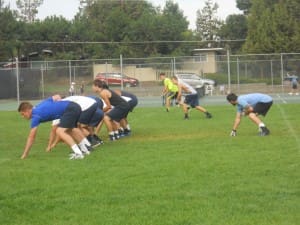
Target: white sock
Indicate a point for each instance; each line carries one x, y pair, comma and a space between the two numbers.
76, 149
128, 127
86, 141
83, 146
261, 125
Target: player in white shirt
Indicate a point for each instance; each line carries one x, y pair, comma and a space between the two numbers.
191, 98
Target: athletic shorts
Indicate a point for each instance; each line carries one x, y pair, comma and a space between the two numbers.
97, 117
294, 86
262, 108
192, 100
70, 116
117, 113
86, 115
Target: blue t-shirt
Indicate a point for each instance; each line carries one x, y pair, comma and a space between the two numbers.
47, 110
251, 100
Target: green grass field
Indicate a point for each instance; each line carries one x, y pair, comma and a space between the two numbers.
169, 172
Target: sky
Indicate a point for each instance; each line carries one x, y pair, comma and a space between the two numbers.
68, 8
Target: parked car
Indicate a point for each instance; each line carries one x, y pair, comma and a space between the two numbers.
200, 84
117, 79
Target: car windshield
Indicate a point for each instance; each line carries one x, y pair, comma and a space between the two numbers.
188, 76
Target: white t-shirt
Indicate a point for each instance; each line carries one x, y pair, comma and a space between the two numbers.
84, 102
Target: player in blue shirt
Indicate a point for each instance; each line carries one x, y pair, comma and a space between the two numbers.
251, 105
48, 110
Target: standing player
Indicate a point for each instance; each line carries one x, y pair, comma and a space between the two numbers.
49, 110
251, 105
191, 98
169, 91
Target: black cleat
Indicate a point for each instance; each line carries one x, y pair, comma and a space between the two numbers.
264, 131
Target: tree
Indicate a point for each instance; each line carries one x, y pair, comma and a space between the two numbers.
244, 5
28, 9
234, 29
10, 33
273, 26
207, 23
171, 26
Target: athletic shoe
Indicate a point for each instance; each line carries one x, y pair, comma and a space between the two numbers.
117, 137
186, 117
89, 148
264, 131
208, 115
76, 156
121, 133
94, 142
98, 139
112, 137
126, 132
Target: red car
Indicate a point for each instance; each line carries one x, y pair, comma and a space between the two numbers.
117, 79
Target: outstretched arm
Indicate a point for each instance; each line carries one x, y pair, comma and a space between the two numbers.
30, 141
53, 139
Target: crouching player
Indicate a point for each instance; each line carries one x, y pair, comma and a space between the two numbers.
48, 110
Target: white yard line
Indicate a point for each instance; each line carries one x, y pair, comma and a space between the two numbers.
289, 125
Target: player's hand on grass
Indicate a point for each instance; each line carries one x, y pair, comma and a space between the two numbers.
233, 133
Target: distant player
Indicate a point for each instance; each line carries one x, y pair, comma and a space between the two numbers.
191, 98
169, 91
251, 105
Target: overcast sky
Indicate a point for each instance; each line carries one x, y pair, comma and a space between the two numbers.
68, 8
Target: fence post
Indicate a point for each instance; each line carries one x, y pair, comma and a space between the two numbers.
238, 73
121, 67
228, 70
43, 87
18, 80
281, 60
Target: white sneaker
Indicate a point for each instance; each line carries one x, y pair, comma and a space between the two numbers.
76, 156
85, 152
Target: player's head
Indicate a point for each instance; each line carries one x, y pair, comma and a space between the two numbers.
175, 80
162, 76
100, 84
232, 98
25, 109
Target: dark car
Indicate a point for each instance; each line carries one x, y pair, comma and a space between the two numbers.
117, 79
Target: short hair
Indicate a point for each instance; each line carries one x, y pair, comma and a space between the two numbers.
231, 97
24, 106
174, 77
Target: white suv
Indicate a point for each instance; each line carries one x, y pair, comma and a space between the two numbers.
203, 86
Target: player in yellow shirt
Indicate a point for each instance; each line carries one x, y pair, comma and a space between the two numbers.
170, 90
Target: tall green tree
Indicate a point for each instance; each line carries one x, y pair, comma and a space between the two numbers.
172, 25
207, 23
244, 5
11, 34
273, 26
235, 31
28, 9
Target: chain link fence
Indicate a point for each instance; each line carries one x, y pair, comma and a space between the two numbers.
35, 80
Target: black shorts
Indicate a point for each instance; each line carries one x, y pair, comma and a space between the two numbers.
262, 108
87, 115
192, 100
118, 113
70, 116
